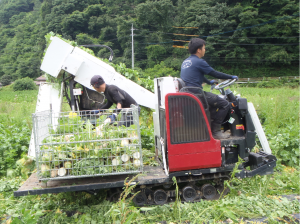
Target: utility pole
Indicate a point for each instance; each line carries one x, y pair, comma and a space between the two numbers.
132, 46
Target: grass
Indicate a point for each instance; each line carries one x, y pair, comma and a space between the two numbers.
15, 107
278, 111
276, 107
249, 198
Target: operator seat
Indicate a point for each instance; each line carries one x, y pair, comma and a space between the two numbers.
181, 84
198, 92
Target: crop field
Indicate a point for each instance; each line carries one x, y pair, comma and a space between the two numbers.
260, 196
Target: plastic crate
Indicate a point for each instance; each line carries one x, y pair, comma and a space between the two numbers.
83, 144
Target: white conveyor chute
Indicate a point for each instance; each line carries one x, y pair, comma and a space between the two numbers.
258, 128
49, 98
63, 56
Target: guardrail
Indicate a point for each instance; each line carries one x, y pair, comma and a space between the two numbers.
259, 79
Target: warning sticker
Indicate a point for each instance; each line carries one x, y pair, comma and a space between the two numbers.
240, 126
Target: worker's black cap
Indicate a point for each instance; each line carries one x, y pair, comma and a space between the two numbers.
97, 81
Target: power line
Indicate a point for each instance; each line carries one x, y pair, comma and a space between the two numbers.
261, 24
185, 27
257, 44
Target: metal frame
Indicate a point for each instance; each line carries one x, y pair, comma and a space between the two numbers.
85, 144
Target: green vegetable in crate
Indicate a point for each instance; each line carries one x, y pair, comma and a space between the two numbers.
70, 124
116, 161
62, 156
56, 162
47, 157
44, 147
124, 142
99, 132
136, 155
115, 150
61, 172
102, 153
120, 168
69, 138
136, 163
134, 141
45, 170
68, 165
54, 173
79, 152
125, 158
128, 165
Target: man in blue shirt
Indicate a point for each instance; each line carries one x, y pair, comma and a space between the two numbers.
192, 73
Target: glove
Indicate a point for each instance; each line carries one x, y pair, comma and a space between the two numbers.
212, 82
112, 117
235, 77
93, 112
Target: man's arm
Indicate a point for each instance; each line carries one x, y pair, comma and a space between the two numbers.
206, 80
107, 105
114, 93
220, 75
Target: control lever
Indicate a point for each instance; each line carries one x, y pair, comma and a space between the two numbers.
213, 86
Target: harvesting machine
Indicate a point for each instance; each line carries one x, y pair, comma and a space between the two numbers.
184, 145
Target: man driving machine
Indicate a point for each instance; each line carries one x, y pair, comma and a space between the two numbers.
192, 73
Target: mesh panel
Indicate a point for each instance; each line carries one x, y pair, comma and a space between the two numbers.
83, 144
187, 123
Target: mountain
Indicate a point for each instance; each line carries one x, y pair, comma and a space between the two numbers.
246, 38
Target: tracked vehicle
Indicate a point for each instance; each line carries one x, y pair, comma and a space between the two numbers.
184, 145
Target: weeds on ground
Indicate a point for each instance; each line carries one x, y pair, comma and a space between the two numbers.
124, 211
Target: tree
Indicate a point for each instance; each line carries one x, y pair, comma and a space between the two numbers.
24, 84
158, 14
74, 24
13, 7
160, 70
5, 80
154, 54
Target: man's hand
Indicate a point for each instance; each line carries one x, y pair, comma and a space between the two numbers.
212, 82
235, 77
119, 106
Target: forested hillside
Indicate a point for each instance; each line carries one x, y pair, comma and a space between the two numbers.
245, 38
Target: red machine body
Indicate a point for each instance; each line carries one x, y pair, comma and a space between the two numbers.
189, 139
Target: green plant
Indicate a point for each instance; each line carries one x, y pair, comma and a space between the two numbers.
159, 70
5, 80
177, 203
14, 142
27, 217
24, 84
285, 145
123, 211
